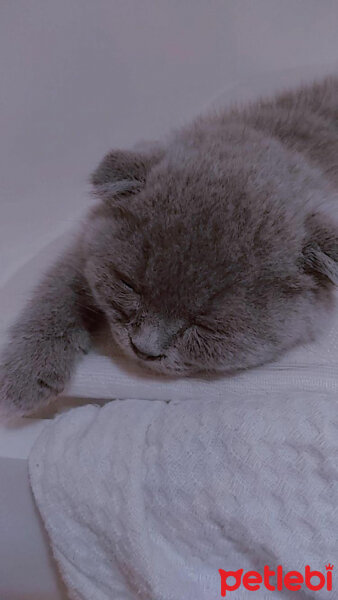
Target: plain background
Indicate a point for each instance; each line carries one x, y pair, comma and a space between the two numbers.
78, 77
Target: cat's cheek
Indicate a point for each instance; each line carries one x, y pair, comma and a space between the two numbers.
183, 354
121, 337
174, 363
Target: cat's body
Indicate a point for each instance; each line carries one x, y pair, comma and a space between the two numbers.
216, 250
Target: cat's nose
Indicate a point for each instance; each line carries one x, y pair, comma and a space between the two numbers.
148, 341
148, 355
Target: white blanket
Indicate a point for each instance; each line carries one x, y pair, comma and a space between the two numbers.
148, 499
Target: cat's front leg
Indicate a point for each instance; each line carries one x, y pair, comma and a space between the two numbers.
47, 340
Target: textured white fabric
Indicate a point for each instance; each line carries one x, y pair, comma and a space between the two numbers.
148, 499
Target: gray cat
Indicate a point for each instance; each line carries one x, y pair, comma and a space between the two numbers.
214, 251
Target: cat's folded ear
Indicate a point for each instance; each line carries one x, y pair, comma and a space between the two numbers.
124, 172
321, 249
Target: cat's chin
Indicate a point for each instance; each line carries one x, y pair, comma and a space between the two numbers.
170, 365
166, 366
161, 366
170, 368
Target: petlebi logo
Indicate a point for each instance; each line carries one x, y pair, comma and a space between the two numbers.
276, 580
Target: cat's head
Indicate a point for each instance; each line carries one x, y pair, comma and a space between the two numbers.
200, 264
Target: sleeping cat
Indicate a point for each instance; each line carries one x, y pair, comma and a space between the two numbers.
213, 251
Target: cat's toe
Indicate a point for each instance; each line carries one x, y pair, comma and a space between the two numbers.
22, 393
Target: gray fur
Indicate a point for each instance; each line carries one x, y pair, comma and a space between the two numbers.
216, 250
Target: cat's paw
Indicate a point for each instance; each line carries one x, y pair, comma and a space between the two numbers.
26, 384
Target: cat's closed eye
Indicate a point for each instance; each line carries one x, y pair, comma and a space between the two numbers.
128, 285
124, 281
122, 312
125, 299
